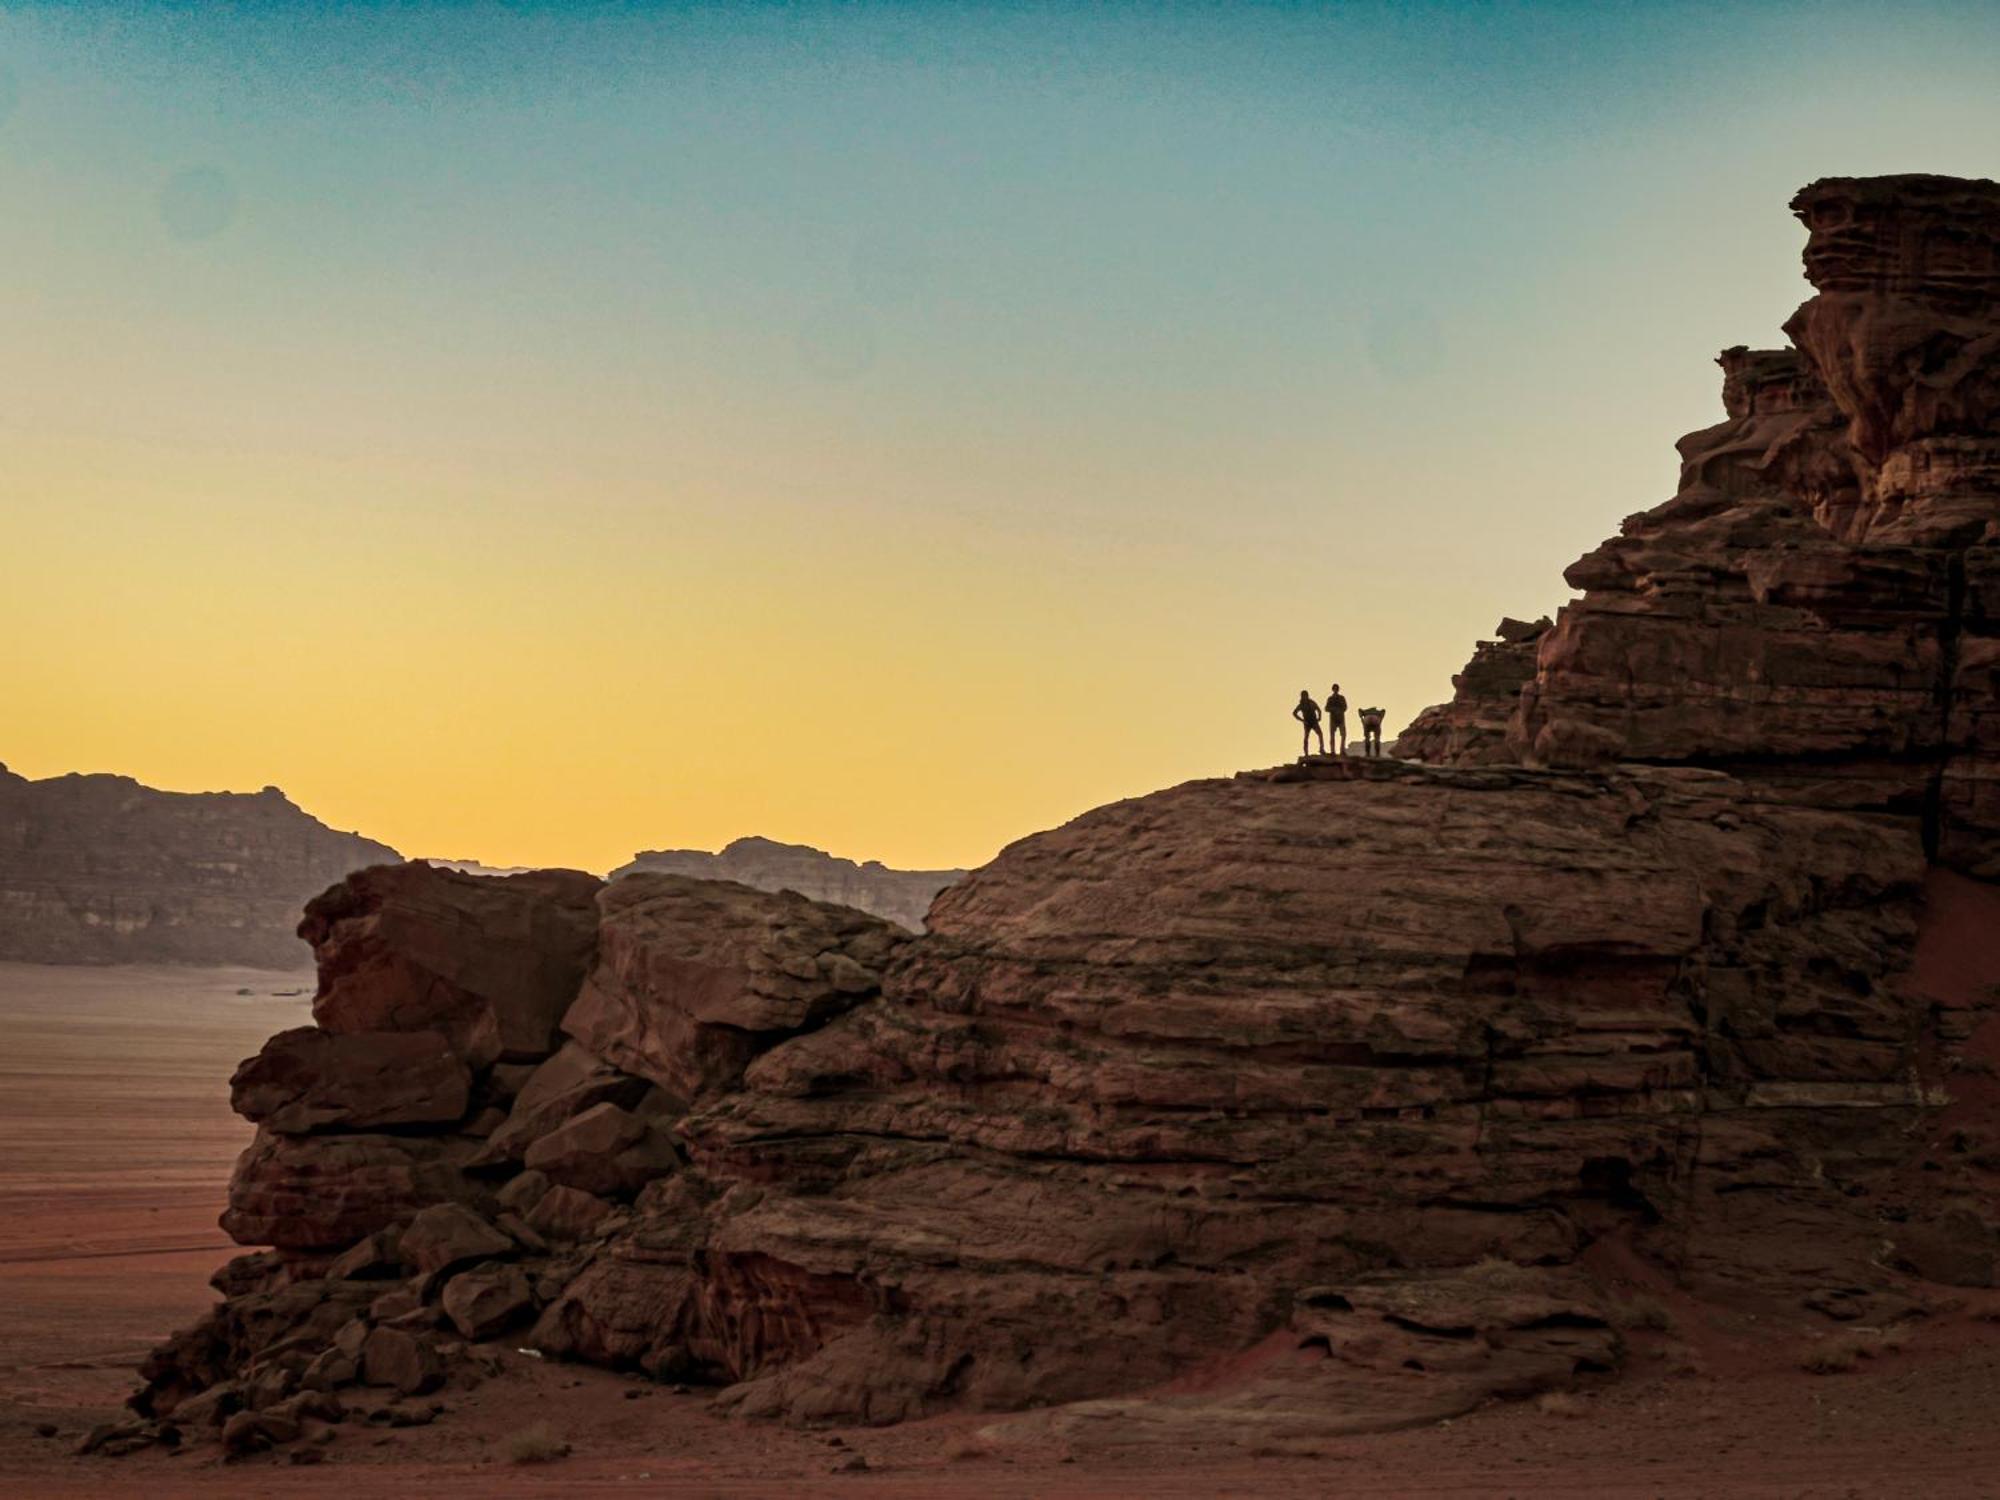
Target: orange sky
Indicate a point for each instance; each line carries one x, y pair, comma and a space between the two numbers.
534, 438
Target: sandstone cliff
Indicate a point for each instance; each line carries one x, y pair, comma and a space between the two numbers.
1311, 1100
99, 869
1818, 608
900, 896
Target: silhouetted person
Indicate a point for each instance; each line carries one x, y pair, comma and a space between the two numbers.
1371, 731
1307, 713
1336, 718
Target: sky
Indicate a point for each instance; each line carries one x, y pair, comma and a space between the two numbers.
539, 433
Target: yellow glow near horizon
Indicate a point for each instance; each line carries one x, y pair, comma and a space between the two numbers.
535, 436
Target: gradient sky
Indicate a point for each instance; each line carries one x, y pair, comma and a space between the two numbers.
537, 434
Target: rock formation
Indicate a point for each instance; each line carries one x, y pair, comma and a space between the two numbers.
1818, 608
899, 896
99, 869
1305, 1101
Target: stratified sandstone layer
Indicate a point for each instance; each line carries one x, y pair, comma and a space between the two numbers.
1818, 607
899, 896
1296, 1102
99, 870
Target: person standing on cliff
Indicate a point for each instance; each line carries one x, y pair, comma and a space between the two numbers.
1336, 719
1307, 713
1371, 731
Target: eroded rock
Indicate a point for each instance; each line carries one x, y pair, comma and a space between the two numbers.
306, 1079
694, 978
491, 963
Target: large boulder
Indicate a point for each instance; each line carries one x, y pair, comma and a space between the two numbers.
491, 963
605, 1150
695, 977
306, 1079
450, 1234
324, 1192
485, 1300
560, 1089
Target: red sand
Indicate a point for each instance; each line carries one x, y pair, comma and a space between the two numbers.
116, 1140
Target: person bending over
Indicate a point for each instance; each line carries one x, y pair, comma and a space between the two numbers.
1371, 731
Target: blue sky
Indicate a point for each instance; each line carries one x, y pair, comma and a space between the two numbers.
1085, 377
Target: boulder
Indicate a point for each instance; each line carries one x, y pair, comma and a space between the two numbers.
403, 1360
450, 1234
326, 1192
567, 1214
307, 1079
490, 963
377, 1256
604, 1150
484, 1301
564, 1086
522, 1191
694, 978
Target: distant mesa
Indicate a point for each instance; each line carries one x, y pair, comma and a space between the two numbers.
900, 896
474, 867
100, 870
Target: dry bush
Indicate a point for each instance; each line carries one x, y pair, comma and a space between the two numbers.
536, 1443
1562, 1404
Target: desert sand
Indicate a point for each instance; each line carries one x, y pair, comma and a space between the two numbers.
115, 1146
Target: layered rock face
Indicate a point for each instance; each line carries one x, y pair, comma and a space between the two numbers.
99, 869
899, 896
1816, 608
1299, 1102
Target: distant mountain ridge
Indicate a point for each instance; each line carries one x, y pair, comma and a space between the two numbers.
99, 869
901, 896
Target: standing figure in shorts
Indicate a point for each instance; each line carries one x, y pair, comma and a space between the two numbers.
1336, 719
1307, 713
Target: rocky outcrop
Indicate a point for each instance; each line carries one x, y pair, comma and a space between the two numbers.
1472, 729
695, 978
1307, 1101
1816, 608
491, 963
99, 869
307, 1079
899, 896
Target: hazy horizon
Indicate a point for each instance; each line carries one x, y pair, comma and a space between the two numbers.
532, 436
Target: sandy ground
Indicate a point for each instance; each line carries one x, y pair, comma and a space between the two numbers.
115, 1144
116, 1141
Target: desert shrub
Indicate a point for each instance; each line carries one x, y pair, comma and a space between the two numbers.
536, 1443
